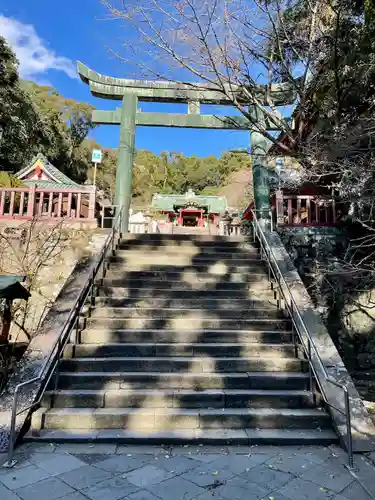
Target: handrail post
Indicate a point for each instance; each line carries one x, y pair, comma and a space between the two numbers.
10, 461
349, 429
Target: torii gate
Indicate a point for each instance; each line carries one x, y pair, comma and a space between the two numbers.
130, 92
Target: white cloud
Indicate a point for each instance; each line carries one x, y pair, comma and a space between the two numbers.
34, 57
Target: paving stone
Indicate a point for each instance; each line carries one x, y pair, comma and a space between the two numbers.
87, 448
356, 492
209, 495
267, 477
17, 478
147, 476
200, 450
177, 487
139, 450
205, 458
85, 476
51, 488
207, 474
239, 489
176, 464
299, 489
91, 459
122, 463
58, 464
365, 472
142, 495
6, 494
37, 448
20, 464
238, 464
331, 475
317, 454
297, 464
74, 496
110, 489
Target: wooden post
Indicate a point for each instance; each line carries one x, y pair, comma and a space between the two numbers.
308, 208
78, 206
290, 211
59, 205
50, 204
22, 202
11, 205
91, 211
31, 202
69, 207
40, 204
6, 321
279, 208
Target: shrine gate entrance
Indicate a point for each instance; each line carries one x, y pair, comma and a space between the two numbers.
128, 116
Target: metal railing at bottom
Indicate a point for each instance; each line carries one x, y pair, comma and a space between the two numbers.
306, 342
71, 326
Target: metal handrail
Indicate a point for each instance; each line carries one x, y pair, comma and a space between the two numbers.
51, 363
294, 312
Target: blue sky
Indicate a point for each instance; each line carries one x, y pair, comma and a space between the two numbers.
48, 39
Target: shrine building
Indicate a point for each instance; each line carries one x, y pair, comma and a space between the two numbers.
190, 209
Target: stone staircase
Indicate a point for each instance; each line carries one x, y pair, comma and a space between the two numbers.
185, 344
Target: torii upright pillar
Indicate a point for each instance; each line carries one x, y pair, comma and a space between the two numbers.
124, 170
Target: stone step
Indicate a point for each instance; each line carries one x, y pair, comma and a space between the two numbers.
167, 350
215, 437
191, 252
189, 247
213, 350
184, 380
174, 312
260, 292
158, 398
197, 239
204, 303
183, 281
183, 363
222, 437
100, 336
163, 258
137, 419
215, 270
187, 322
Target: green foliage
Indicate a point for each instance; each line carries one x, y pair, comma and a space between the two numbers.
9, 180
37, 119
170, 173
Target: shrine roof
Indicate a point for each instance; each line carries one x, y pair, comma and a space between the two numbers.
108, 87
57, 178
11, 288
168, 202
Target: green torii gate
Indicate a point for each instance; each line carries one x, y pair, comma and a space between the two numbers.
130, 92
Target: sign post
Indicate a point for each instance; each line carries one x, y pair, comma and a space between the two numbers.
96, 159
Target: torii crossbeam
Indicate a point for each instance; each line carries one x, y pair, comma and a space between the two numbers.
129, 117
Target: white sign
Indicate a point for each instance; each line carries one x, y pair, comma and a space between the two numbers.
96, 156
279, 163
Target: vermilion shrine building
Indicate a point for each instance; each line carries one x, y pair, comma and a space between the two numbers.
47, 194
190, 209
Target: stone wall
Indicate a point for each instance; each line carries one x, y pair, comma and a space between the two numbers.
346, 303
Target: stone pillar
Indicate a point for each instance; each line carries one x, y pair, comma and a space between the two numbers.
259, 148
124, 169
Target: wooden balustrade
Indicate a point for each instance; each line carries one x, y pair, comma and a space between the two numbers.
305, 210
29, 203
